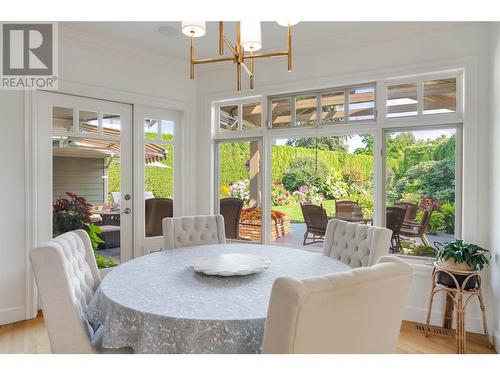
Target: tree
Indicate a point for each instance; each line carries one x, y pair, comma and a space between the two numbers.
368, 140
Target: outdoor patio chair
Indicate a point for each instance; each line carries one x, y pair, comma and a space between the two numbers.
316, 221
156, 210
410, 212
418, 230
345, 207
394, 221
230, 209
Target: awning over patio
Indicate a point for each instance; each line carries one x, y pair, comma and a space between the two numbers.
91, 147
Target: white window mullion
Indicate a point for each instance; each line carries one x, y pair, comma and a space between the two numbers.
292, 111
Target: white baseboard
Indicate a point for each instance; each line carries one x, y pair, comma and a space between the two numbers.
419, 315
14, 314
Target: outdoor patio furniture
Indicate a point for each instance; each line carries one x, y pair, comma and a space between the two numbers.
316, 221
230, 209
410, 212
394, 221
110, 234
156, 210
116, 195
418, 230
345, 206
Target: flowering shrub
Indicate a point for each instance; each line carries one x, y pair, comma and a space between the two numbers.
308, 194
334, 187
70, 214
74, 213
280, 196
426, 203
255, 214
240, 189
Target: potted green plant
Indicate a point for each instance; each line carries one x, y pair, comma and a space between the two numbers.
458, 257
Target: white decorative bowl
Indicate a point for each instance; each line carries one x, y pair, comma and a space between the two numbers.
231, 264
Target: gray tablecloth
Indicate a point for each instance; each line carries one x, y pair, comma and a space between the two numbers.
158, 304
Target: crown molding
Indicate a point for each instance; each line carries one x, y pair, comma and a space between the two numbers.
88, 41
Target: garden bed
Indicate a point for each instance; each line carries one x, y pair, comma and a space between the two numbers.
252, 229
251, 224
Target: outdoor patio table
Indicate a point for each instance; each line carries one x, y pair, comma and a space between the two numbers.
159, 304
353, 218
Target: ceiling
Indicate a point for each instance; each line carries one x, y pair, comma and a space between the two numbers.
145, 36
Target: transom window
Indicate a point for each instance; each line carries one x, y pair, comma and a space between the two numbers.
325, 107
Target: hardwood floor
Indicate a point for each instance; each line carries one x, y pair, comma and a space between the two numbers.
30, 336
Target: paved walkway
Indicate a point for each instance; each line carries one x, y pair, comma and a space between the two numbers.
296, 236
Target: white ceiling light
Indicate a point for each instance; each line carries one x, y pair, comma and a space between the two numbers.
287, 23
194, 28
251, 36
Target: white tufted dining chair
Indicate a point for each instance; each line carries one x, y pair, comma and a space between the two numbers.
354, 312
67, 276
356, 245
193, 231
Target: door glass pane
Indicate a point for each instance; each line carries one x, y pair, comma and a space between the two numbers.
86, 192
420, 179
440, 96
306, 110
111, 124
281, 112
228, 118
62, 119
89, 123
167, 130
239, 178
312, 174
150, 128
332, 108
158, 185
362, 103
252, 116
402, 100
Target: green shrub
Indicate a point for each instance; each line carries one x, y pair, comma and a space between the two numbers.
448, 211
436, 222
305, 171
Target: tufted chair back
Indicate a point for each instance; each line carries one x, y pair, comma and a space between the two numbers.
356, 245
193, 231
67, 277
353, 312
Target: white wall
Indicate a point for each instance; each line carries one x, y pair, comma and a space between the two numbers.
494, 219
397, 54
99, 65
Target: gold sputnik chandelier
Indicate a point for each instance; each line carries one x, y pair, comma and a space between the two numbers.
248, 41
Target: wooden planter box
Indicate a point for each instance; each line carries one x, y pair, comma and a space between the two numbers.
252, 229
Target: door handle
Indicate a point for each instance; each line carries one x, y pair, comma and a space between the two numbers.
126, 211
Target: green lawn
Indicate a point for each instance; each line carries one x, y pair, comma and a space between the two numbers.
293, 211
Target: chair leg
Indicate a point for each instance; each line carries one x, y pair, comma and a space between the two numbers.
424, 239
305, 238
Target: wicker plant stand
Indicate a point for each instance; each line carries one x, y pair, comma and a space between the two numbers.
457, 297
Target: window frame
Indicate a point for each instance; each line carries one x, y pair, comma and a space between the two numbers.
318, 93
376, 127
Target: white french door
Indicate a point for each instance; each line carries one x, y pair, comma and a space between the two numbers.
84, 147
156, 157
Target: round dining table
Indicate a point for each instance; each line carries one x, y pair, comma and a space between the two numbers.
158, 303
